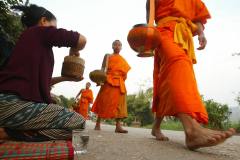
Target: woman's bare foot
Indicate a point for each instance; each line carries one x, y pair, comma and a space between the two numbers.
159, 135
3, 134
197, 136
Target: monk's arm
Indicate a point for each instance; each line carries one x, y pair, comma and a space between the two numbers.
201, 36
104, 63
78, 94
56, 80
147, 10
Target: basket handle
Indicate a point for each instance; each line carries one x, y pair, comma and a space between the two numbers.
151, 13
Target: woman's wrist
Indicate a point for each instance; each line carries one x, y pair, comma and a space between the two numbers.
74, 52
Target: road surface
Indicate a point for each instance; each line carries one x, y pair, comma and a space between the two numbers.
138, 144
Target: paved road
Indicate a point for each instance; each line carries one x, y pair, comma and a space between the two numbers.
138, 144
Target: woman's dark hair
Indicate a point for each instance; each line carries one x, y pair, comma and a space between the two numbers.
32, 14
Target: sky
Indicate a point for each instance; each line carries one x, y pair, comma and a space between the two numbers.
103, 21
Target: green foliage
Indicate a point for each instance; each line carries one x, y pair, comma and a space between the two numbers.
169, 124
5, 5
129, 119
65, 102
139, 108
10, 25
109, 121
218, 114
236, 126
172, 125
10, 28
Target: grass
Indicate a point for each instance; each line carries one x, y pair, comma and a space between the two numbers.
169, 125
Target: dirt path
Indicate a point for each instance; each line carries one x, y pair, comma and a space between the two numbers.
138, 144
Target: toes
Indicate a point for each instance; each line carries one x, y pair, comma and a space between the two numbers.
211, 140
166, 139
230, 132
162, 138
219, 137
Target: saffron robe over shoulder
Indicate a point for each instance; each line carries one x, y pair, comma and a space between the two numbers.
111, 99
175, 87
84, 102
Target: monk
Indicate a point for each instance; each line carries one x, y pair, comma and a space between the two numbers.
85, 100
111, 99
175, 90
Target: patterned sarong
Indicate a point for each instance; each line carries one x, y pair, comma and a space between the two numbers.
30, 121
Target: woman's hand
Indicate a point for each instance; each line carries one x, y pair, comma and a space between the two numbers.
74, 52
56, 80
77, 79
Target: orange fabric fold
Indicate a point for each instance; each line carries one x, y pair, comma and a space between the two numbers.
117, 71
84, 102
111, 101
194, 10
175, 87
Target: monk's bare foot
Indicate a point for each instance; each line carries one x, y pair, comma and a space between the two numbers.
159, 135
197, 136
3, 134
97, 128
120, 130
203, 137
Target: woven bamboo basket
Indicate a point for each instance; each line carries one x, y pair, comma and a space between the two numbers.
98, 76
73, 67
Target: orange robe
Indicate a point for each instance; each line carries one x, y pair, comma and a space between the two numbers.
175, 87
111, 99
84, 102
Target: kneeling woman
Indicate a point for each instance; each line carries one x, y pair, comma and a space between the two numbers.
27, 111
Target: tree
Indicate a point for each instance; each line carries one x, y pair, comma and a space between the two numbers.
142, 109
65, 102
139, 108
5, 5
10, 28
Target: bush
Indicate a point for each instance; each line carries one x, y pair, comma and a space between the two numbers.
218, 114
129, 120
